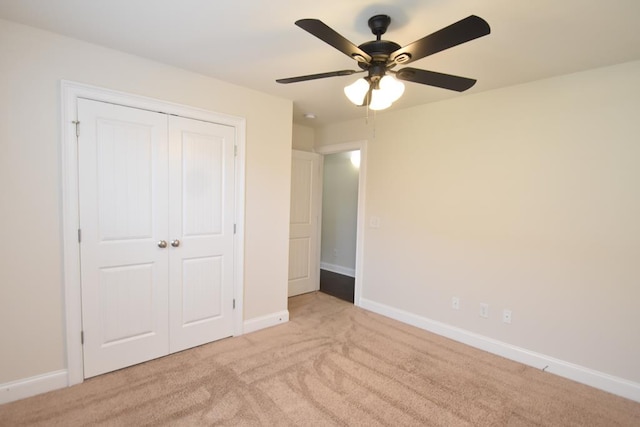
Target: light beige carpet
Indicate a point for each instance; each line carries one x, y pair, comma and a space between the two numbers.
332, 364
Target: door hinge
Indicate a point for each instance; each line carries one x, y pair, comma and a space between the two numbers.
234, 229
79, 235
235, 150
81, 337
234, 303
77, 123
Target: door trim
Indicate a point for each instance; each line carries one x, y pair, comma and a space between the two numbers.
70, 93
362, 180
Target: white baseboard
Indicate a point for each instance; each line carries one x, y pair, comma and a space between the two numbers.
338, 269
267, 321
590, 377
27, 387
32, 386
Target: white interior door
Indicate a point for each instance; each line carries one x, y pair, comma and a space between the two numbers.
156, 207
123, 196
304, 269
201, 229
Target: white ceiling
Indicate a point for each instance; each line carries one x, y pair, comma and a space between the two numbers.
253, 42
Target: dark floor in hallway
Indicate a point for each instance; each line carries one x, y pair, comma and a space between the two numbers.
337, 285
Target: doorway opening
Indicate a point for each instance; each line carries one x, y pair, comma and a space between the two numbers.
342, 219
340, 178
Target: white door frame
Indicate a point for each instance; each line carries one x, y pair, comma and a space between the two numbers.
362, 178
70, 92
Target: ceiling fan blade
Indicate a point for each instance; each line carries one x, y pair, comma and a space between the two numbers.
317, 76
431, 78
465, 30
328, 35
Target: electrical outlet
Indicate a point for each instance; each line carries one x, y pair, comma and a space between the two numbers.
506, 316
455, 303
484, 310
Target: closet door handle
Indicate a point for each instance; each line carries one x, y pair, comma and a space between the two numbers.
162, 244
175, 243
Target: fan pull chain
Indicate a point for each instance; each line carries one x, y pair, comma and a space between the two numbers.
366, 121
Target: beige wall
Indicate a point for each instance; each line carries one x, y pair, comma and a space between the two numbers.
525, 198
31, 290
303, 138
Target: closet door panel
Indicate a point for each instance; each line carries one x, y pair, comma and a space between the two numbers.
123, 175
201, 220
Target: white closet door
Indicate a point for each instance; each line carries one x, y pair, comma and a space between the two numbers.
201, 227
123, 175
304, 255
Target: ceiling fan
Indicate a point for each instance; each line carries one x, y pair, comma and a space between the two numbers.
378, 58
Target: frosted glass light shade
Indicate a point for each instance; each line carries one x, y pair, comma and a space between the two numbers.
391, 88
379, 100
356, 91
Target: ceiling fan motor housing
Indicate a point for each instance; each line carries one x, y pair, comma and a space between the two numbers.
379, 50
379, 24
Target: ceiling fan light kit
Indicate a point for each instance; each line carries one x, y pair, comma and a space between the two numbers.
382, 93
378, 90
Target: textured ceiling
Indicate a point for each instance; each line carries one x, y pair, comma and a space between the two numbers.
253, 42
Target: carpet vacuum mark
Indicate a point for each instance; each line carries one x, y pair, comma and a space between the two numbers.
332, 364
